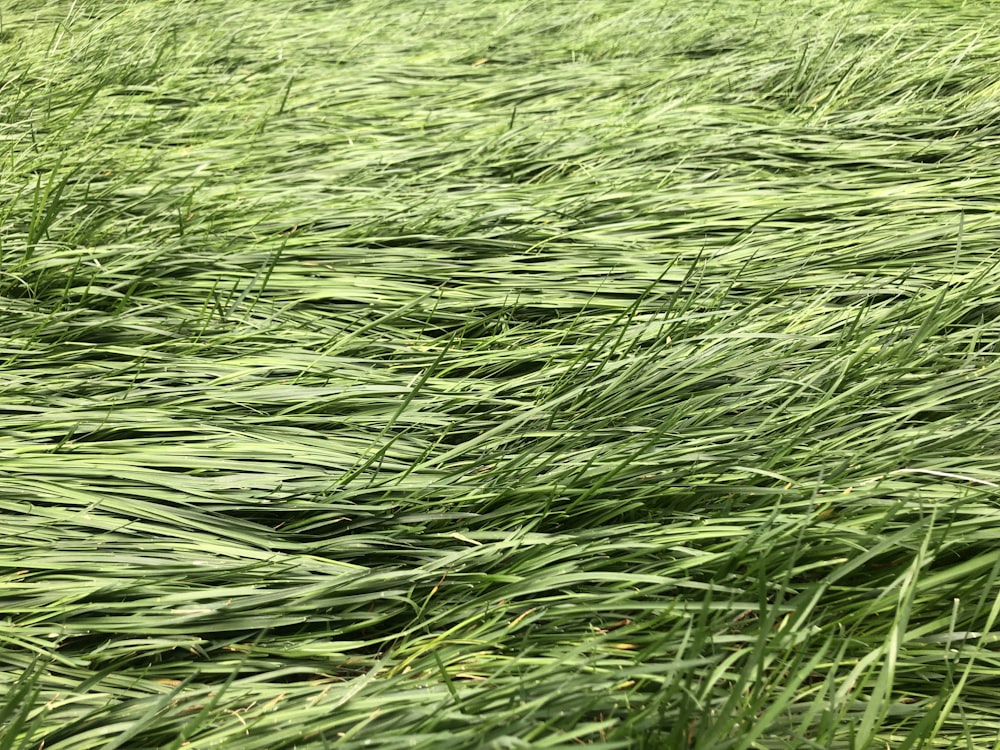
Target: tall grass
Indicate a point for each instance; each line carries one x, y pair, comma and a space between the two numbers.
520, 374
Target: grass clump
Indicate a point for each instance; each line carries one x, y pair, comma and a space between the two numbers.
522, 375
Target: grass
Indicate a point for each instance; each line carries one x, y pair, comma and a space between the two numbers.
506, 375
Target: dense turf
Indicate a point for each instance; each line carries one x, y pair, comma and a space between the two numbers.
510, 374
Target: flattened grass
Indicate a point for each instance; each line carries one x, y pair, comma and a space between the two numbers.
518, 375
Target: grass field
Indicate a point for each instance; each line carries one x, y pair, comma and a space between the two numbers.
616, 373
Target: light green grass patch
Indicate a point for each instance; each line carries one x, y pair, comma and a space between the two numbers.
521, 374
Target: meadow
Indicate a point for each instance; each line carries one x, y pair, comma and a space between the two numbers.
532, 373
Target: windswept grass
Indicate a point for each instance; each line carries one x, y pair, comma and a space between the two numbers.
504, 375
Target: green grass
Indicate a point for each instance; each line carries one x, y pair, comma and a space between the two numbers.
499, 375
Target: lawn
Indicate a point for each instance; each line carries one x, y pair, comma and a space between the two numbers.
524, 373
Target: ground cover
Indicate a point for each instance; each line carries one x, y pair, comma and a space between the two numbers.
521, 374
